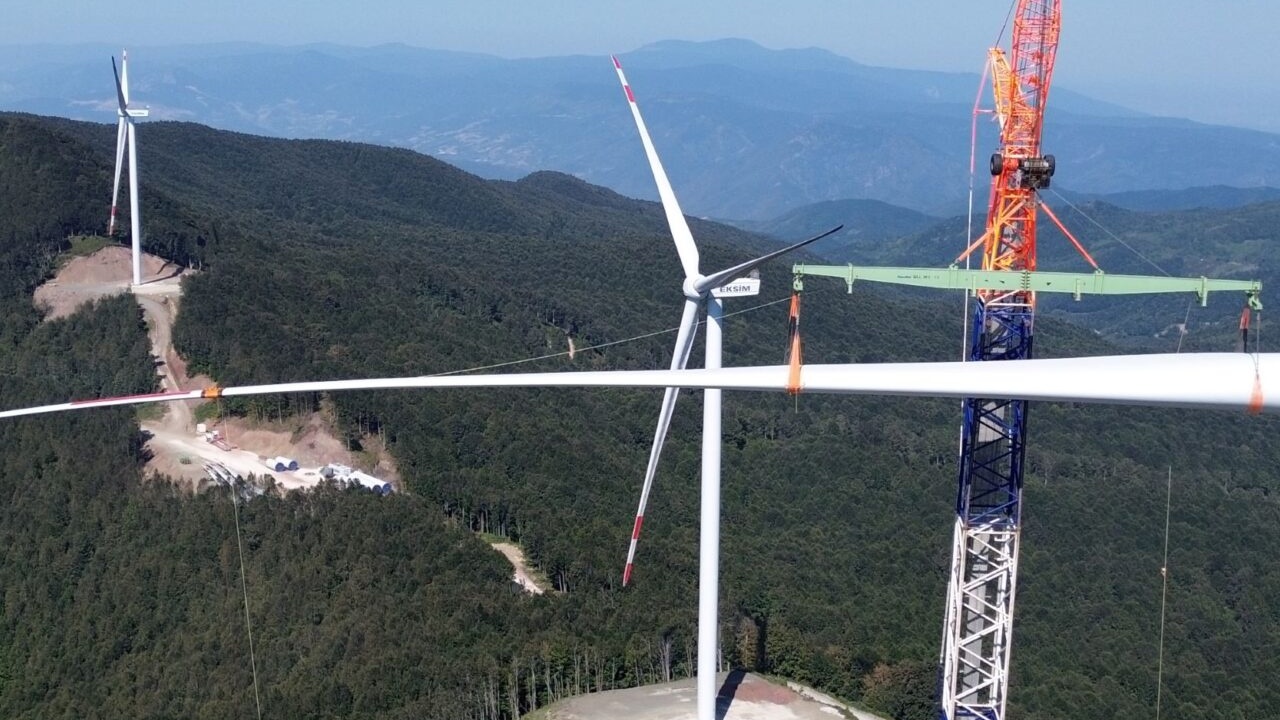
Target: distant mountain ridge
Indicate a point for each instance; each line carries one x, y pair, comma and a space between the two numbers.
746, 132
1217, 196
864, 221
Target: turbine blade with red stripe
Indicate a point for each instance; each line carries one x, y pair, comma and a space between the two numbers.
688, 252
680, 232
679, 359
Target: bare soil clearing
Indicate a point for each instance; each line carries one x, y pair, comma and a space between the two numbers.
104, 273
523, 575
176, 450
107, 272
743, 696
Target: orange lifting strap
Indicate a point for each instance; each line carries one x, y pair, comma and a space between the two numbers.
793, 345
1255, 398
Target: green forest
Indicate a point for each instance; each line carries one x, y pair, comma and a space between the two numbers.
121, 594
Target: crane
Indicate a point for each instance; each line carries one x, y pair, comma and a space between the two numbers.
978, 629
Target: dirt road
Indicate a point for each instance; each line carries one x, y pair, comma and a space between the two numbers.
523, 576
161, 311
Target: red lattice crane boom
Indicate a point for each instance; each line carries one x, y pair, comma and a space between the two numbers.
1021, 89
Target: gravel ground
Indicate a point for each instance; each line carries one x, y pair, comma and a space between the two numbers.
743, 696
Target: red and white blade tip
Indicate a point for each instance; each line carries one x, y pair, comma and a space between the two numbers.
631, 551
626, 86
680, 232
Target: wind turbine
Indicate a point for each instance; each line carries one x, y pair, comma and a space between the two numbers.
699, 290
126, 136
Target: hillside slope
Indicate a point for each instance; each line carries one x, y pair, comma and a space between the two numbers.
324, 259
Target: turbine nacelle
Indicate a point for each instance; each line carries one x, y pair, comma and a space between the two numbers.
742, 287
703, 285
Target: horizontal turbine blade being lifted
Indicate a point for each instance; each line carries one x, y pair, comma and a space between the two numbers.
1229, 381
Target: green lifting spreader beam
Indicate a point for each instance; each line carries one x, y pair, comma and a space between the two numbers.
1076, 284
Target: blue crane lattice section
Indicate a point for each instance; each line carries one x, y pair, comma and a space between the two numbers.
991, 458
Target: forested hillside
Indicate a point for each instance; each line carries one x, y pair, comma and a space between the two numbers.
323, 259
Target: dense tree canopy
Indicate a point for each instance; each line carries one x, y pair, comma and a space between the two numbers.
320, 260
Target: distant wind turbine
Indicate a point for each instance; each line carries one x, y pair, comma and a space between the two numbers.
699, 290
126, 136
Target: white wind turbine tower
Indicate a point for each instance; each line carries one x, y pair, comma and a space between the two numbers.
698, 290
126, 136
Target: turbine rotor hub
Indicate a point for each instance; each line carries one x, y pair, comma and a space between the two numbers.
690, 288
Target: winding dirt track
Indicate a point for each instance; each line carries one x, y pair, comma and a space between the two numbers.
173, 438
106, 273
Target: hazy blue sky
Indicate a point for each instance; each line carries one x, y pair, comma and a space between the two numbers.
1212, 60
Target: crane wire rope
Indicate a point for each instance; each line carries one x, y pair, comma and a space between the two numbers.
968, 227
244, 582
1013, 4
601, 346
1110, 234
1164, 591
1184, 330
1257, 338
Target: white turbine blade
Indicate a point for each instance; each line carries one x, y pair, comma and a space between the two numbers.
120, 96
124, 75
104, 402
1235, 381
1231, 381
121, 133
715, 280
685, 246
680, 358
